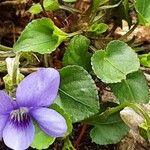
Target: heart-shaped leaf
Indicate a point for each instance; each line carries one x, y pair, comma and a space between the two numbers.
115, 63
40, 36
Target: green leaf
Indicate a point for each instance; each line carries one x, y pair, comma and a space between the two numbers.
68, 145
69, 1
108, 130
144, 130
49, 5
77, 52
98, 3
65, 115
98, 28
40, 36
133, 89
35, 9
145, 60
78, 95
8, 82
143, 9
41, 140
115, 63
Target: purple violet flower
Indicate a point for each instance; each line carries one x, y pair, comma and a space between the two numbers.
36, 92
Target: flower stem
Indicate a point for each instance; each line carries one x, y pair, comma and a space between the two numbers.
5, 48
139, 109
67, 8
105, 114
74, 33
15, 68
46, 60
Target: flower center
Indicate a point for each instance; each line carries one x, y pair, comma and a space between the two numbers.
20, 116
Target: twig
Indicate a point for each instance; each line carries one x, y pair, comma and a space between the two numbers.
77, 142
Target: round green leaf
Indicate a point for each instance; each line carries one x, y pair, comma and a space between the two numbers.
109, 131
115, 63
133, 89
41, 140
78, 95
40, 36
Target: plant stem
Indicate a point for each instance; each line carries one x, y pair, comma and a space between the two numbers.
5, 48
105, 114
15, 68
4, 54
72, 10
93, 48
139, 109
46, 61
74, 33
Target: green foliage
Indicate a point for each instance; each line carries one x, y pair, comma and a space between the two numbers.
78, 95
77, 52
115, 63
133, 89
98, 3
143, 9
69, 1
98, 28
3, 67
49, 5
9, 85
40, 36
68, 145
41, 140
118, 65
144, 130
145, 59
108, 130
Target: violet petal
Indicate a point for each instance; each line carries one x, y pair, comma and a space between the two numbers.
18, 137
50, 121
39, 88
3, 120
5, 103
